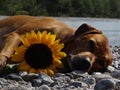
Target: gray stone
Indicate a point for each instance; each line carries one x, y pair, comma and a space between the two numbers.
24, 83
59, 74
55, 84
23, 73
45, 78
89, 80
78, 74
70, 88
70, 75
78, 84
116, 74
110, 69
116, 64
20, 88
36, 82
5, 84
105, 84
29, 77
117, 85
14, 76
96, 73
64, 79
101, 76
44, 87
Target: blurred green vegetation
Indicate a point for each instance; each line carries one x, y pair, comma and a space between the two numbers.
73, 8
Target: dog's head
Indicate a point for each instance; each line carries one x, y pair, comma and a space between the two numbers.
89, 50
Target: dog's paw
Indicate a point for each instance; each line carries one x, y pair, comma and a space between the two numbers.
3, 61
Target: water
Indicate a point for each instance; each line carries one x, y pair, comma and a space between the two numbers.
110, 27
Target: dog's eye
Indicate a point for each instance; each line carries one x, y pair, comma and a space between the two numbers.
92, 45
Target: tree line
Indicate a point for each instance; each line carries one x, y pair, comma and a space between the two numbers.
70, 8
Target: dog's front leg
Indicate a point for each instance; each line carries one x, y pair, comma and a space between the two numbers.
10, 42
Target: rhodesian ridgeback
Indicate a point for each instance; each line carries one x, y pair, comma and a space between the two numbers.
87, 48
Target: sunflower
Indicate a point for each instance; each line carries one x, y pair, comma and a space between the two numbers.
39, 52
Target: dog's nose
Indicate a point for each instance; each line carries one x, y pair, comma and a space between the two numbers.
81, 63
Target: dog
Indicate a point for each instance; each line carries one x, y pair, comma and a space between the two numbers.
87, 48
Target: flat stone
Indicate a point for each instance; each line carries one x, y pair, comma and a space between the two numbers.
101, 76
36, 82
44, 87
105, 84
89, 80
78, 84
78, 74
116, 74
14, 76
45, 78
29, 77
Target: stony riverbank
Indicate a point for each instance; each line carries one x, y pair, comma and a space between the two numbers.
76, 80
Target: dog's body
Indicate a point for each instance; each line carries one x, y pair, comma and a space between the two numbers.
87, 48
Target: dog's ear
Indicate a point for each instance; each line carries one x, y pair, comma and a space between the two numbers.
86, 29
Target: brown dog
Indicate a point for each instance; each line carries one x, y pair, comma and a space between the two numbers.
87, 48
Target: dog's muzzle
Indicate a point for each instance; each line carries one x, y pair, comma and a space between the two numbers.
79, 63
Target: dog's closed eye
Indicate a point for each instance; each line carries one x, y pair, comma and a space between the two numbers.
92, 45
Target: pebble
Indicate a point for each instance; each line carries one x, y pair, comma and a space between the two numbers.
78, 84
44, 87
101, 76
117, 85
116, 74
110, 69
36, 82
105, 84
14, 76
18, 88
78, 74
76, 80
23, 73
89, 80
45, 78
29, 77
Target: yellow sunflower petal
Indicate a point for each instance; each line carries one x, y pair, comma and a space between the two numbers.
32, 70
20, 49
31, 38
52, 39
58, 63
39, 33
53, 67
43, 36
46, 39
33, 34
59, 55
51, 44
39, 36
17, 57
50, 72
28, 35
57, 47
42, 70
24, 40
24, 66
19, 54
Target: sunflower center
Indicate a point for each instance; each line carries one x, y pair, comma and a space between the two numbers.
38, 56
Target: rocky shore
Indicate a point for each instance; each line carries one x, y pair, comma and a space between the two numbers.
76, 80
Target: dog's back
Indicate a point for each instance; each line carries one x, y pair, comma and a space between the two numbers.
24, 23
10, 24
